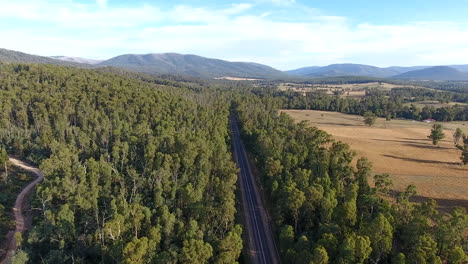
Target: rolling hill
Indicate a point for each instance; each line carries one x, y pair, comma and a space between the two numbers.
438, 73
346, 69
174, 63
201, 67
20, 57
350, 69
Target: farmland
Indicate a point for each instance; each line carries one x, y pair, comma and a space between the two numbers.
355, 90
401, 148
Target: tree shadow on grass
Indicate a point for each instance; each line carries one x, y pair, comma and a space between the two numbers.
417, 139
422, 160
418, 145
334, 124
443, 204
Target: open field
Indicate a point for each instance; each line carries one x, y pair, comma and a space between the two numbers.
401, 148
348, 90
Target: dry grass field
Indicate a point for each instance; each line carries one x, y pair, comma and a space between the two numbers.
349, 90
401, 148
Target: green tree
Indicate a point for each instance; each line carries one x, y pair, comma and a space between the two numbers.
464, 150
424, 251
196, 251
364, 168
437, 134
136, 250
457, 256
230, 247
4, 162
369, 118
380, 232
20, 257
362, 248
286, 238
457, 135
399, 259
294, 199
320, 255
383, 183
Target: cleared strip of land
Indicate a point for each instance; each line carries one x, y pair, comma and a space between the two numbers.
401, 148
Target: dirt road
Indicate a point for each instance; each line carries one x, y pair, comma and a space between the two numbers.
19, 206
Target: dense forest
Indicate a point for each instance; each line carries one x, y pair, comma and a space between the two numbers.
136, 172
138, 169
325, 210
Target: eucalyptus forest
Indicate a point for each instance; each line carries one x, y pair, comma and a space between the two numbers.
139, 169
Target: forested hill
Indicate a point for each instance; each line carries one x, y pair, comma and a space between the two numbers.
441, 73
134, 172
351, 69
11, 56
192, 65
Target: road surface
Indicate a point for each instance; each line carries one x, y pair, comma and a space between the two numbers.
18, 209
262, 247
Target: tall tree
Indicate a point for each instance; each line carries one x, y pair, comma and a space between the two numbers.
457, 135
369, 118
4, 162
464, 150
437, 134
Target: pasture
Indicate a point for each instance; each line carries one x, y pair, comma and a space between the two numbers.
356, 90
402, 149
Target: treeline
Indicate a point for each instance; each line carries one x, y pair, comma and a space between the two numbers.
324, 209
423, 94
382, 104
135, 172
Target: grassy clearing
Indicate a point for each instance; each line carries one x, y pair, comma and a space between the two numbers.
401, 148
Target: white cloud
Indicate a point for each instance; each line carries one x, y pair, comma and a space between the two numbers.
235, 32
102, 3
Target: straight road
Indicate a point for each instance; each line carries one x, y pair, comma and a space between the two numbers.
18, 209
262, 248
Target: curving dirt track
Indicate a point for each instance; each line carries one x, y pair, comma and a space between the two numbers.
19, 206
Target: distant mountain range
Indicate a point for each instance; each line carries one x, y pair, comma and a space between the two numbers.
197, 66
174, 63
441, 73
452, 72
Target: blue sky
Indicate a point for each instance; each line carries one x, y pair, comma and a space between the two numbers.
285, 34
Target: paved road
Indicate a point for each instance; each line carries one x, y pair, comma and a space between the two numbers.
261, 244
18, 209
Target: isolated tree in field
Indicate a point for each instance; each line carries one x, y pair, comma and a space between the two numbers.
4, 162
369, 118
457, 136
437, 134
464, 150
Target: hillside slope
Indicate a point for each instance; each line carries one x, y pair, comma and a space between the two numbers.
20, 57
173, 63
438, 73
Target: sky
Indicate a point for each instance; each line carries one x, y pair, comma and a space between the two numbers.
285, 34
